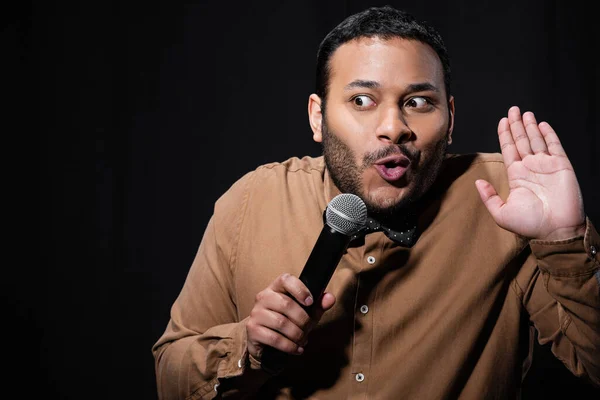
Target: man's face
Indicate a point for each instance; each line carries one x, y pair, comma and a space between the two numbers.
386, 124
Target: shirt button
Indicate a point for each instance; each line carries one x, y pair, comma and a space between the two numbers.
360, 377
364, 309
240, 363
371, 260
593, 250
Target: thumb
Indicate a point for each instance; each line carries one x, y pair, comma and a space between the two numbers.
327, 301
490, 198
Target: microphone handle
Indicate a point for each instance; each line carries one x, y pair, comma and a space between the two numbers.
322, 262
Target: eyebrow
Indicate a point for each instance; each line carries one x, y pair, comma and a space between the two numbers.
422, 87
414, 87
359, 83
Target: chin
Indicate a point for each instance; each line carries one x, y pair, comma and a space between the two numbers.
387, 200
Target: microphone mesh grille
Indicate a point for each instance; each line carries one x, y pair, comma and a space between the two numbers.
346, 213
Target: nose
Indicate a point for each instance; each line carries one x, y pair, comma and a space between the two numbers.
392, 126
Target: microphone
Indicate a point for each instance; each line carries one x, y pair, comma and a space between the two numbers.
345, 215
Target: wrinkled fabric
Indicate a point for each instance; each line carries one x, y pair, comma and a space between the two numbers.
452, 317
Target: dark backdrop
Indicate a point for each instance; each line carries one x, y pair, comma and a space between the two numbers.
146, 112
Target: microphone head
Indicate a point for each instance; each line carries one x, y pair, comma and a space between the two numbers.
346, 213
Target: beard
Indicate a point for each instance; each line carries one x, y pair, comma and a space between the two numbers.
346, 174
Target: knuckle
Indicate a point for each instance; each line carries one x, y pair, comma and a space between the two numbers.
286, 302
282, 278
273, 338
259, 296
280, 322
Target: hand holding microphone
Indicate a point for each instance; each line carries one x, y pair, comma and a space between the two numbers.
285, 312
278, 319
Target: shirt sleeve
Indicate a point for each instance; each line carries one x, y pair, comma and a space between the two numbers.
562, 297
204, 343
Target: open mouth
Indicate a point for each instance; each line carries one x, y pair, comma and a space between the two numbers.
393, 167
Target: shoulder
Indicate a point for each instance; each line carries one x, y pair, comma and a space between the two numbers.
459, 168
270, 198
456, 180
290, 175
293, 165
294, 176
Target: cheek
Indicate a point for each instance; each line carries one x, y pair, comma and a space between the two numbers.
352, 130
343, 122
430, 132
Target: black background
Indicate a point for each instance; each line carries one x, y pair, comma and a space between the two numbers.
146, 112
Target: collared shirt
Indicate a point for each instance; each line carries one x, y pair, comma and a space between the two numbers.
450, 317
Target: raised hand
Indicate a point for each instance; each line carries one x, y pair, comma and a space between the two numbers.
545, 200
278, 320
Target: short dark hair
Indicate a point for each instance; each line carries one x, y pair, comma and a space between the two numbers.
385, 22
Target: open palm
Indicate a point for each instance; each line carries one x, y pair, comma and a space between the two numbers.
545, 200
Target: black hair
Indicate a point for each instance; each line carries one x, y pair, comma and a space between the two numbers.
384, 22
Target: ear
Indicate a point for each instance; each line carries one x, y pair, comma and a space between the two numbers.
451, 120
315, 117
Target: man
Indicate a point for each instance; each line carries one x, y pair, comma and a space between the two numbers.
495, 244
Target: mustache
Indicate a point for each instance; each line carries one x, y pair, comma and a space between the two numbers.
370, 158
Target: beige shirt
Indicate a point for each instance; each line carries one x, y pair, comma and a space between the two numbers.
448, 318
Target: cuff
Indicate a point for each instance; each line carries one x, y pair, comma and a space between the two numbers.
233, 364
570, 257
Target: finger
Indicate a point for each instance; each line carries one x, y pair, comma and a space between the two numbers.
269, 337
327, 301
293, 286
536, 141
507, 144
278, 323
518, 131
282, 304
491, 199
553, 144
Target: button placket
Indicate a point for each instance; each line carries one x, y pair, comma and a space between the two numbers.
363, 337
362, 343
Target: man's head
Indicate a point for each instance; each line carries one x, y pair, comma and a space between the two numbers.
385, 23
382, 110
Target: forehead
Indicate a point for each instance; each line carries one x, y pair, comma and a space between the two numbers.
392, 62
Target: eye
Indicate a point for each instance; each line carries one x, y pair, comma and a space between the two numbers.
362, 101
421, 103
